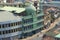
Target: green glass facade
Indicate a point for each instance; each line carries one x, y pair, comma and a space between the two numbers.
33, 21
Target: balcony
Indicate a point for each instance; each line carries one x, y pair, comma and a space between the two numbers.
33, 29
10, 28
28, 30
34, 22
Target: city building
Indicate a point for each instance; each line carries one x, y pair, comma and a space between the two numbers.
20, 22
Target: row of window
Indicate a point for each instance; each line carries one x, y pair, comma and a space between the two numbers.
28, 20
28, 27
10, 24
14, 5
10, 31
31, 19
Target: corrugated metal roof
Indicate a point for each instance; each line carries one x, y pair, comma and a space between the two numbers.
16, 9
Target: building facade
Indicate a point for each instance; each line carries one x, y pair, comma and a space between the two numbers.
10, 26
27, 22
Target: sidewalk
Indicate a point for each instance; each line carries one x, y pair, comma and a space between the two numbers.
43, 31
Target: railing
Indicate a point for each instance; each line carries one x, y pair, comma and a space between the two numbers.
33, 29
34, 22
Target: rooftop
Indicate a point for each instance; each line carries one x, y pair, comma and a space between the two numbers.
16, 9
7, 16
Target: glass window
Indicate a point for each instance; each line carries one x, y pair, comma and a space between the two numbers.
6, 25
28, 20
3, 32
3, 25
25, 28
0, 32
16, 23
19, 29
0, 26
9, 31
11, 24
14, 30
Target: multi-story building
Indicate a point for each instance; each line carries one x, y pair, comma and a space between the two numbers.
20, 22
10, 26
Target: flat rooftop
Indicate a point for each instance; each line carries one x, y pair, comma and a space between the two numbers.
6, 16
16, 9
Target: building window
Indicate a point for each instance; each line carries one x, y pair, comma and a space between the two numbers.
0, 32
28, 20
10, 24
19, 29
10, 31
3, 32
3, 26
0, 26
28, 27
19, 23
